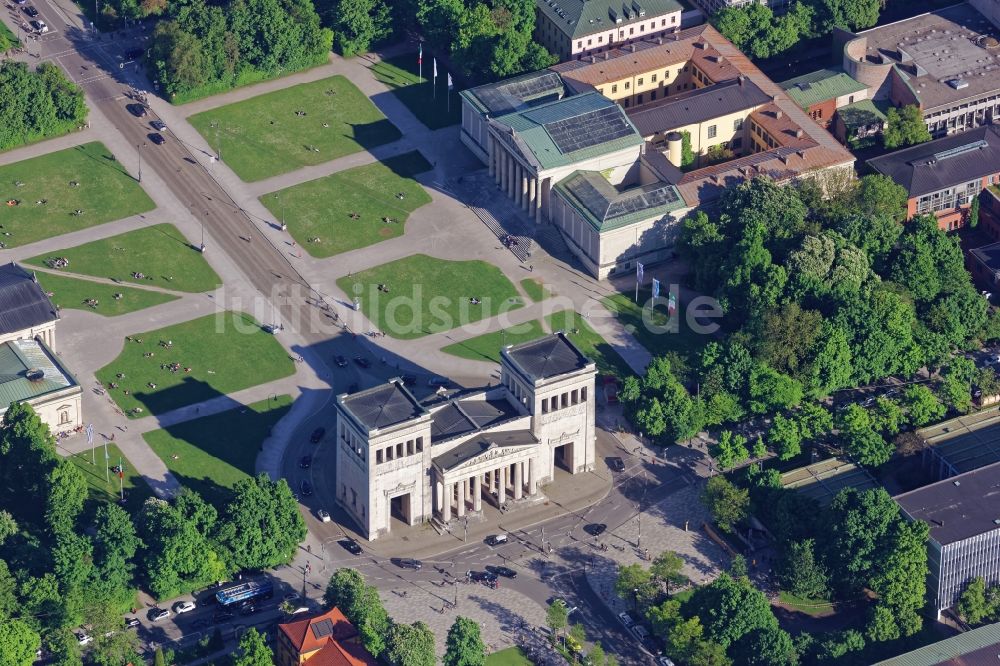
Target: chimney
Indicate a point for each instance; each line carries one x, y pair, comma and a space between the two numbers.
607, 54
798, 132
631, 47
777, 113
659, 40
593, 59
740, 79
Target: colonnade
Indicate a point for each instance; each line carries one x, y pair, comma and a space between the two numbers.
458, 495
520, 184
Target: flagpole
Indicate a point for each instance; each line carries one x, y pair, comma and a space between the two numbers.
121, 477
107, 478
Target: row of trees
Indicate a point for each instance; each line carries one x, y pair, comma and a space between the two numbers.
37, 104
64, 563
761, 33
200, 46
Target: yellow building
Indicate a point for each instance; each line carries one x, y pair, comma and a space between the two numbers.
325, 640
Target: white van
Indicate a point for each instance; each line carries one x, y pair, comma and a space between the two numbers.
496, 540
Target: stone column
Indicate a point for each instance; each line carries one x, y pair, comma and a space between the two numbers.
538, 202
477, 493
502, 483
448, 490
439, 491
502, 168
532, 195
490, 153
524, 190
518, 482
532, 476
461, 498
518, 185
511, 165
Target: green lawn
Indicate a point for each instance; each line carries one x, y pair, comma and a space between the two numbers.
684, 342
104, 192
487, 347
99, 490
8, 39
72, 293
212, 453
428, 295
262, 136
814, 607
535, 289
226, 352
319, 212
431, 107
512, 656
160, 253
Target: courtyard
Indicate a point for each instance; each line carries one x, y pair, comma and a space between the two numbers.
288, 129
156, 256
353, 208
191, 362
66, 191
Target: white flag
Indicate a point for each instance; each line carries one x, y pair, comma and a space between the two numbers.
435, 68
449, 82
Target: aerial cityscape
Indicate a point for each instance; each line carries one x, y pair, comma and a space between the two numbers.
500, 332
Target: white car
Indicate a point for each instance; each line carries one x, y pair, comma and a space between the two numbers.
84, 639
324, 515
664, 661
184, 607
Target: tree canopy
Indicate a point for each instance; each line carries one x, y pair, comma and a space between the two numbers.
464, 646
905, 127
37, 104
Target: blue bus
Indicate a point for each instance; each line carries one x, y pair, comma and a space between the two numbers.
249, 591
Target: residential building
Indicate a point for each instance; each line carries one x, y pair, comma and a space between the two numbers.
943, 176
822, 92
978, 647
945, 62
399, 459
964, 540
30, 371
571, 28
324, 640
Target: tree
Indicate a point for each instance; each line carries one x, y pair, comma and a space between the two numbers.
905, 127
729, 505
901, 582
8, 526
660, 404
738, 567
709, 653
410, 645
635, 582
687, 154
801, 572
731, 450
18, 643
785, 437
770, 390
922, 406
972, 605
831, 364
786, 336
596, 656
358, 24
667, 568
974, 212
881, 196
664, 617
863, 443
730, 609
263, 526
767, 646
464, 646
361, 605
684, 637
66, 495
848, 14
158, 658
253, 650
862, 520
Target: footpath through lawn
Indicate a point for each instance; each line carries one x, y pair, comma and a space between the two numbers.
108, 300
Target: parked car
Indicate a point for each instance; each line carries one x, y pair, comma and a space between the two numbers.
616, 464
626, 620
480, 576
184, 607
506, 572
247, 609
362, 362
305, 488
39, 26
340, 361
595, 529
317, 435
409, 380
158, 614
640, 632
31, 11
664, 661
496, 540
438, 381
305, 462
132, 623
222, 615
137, 110
324, 515
352, 546
157, 138
158, 125
407, 563
83, 638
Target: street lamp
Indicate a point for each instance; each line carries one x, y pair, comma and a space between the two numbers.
138, 149
635, 600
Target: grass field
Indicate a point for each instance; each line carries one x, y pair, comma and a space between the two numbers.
535, 290
210, 454
160, 252
487, 347
813, 607
104, 192
512, 656
318, 212
226, 352
428, 295
684, 342
99, 490
67, 292
263, 136
430, 106
8, 40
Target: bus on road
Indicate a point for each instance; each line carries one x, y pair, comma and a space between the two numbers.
249, 591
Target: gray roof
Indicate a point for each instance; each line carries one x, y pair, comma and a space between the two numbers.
966, 442
978, 647
579, 18
989, 255
382, 406
822, 480
23, 302
460, 417
29, 369
697, 106
517, 93
959, 507
607, 208
951, 160
478, 445
546, 357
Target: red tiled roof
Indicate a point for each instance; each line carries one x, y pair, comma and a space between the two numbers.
335, 653
305, 639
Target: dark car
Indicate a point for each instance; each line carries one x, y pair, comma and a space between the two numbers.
306, 489
158, 125
362, 362
306, 462
407, 563
595, 529
131, 622
222, 615
133, 54
31, 11
157, 138
351, 546
409, 380
485, 577
137, 110
506, 572
616, 464
340, 361
317, 435
247, 609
